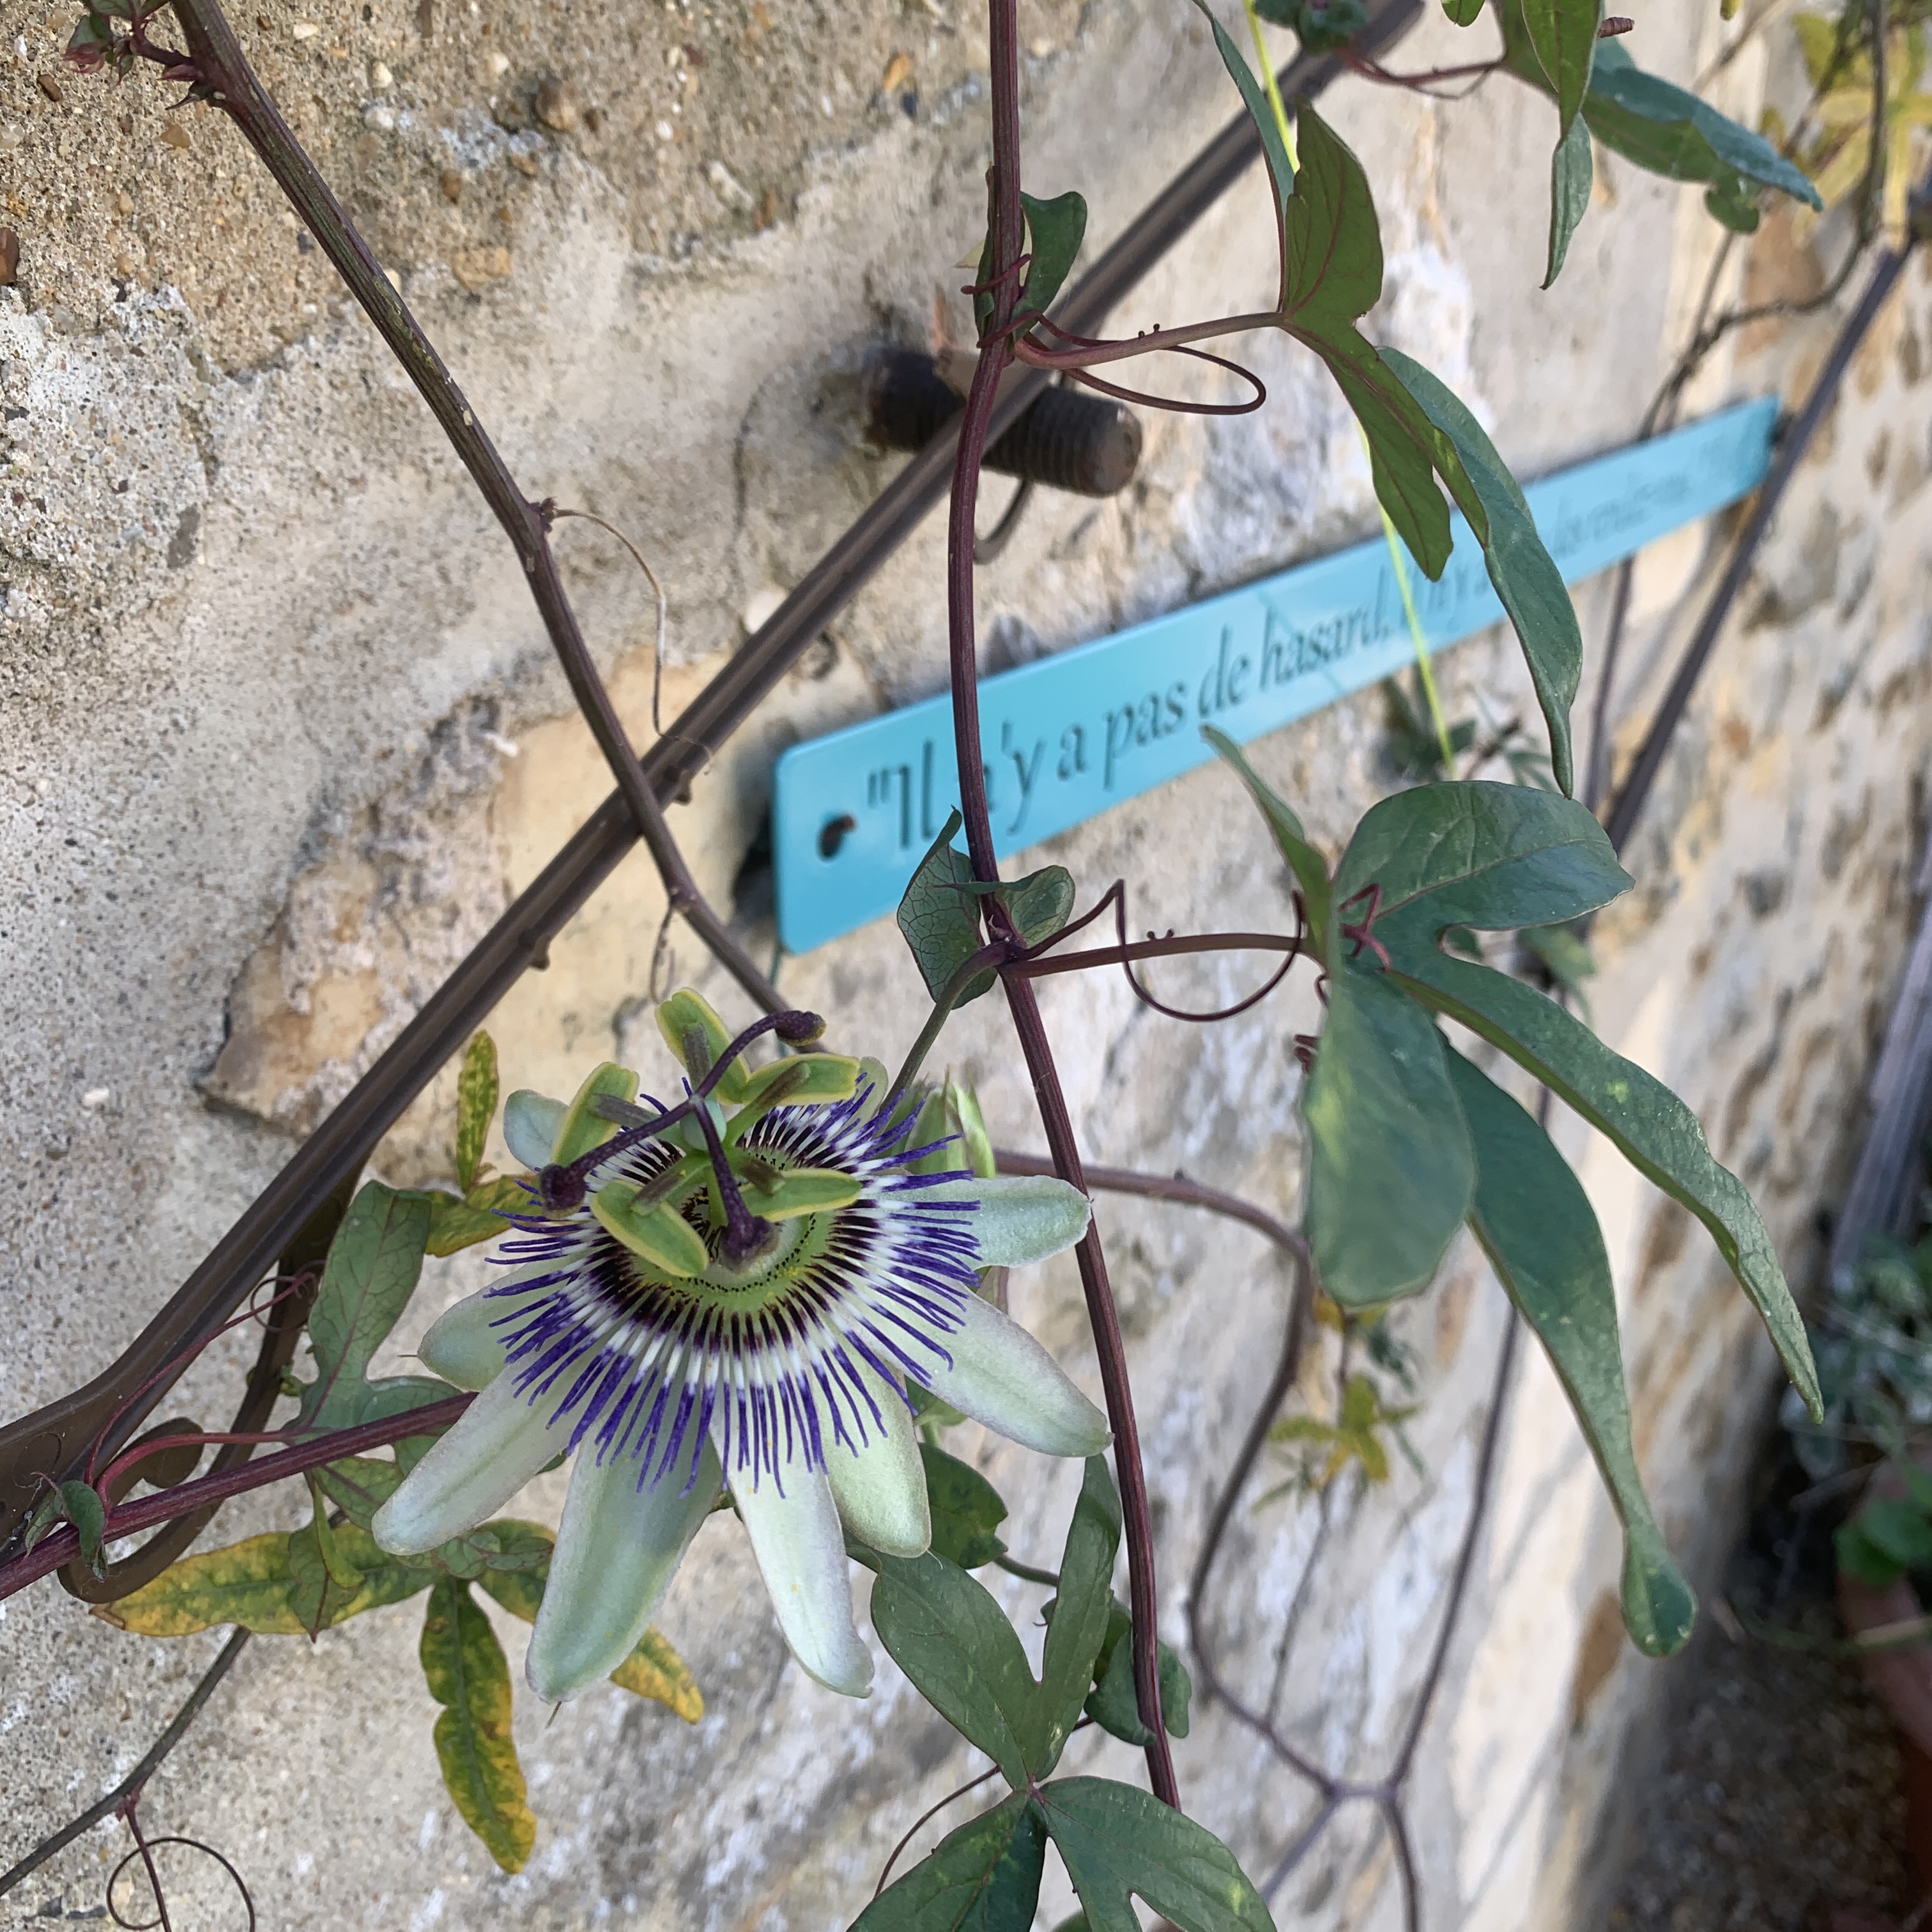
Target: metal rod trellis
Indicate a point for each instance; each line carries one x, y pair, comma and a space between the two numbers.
48, 1441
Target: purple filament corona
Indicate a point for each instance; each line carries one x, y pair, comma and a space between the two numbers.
645, 1366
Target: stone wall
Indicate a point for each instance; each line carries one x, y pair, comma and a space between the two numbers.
282, 737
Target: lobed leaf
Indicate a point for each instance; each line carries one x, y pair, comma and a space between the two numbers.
1309, 867
967, 1509
1082, 1611
1056, 228
984, 1877
480, 1215
1540, 1234
1390, 1172
373, 1264
1648, 1123
249, 1583
463, 1665
945, 1631
1119, 1843
1563, 36
1113, 1703
1475, 854
1525, 575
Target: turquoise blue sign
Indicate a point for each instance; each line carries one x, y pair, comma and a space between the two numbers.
1067, 737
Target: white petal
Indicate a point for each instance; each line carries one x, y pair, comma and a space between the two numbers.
1002, 1377
880, 1490
801, 1553
463, 1347
493, 1448
531, 1125
617, 1549
1021, 1218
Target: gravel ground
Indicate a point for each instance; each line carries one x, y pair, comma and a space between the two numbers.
1778, 1807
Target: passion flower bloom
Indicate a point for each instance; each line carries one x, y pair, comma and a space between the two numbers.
736, 1301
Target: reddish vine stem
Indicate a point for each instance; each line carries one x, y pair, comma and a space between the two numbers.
224, 68
63, 1545
996, 355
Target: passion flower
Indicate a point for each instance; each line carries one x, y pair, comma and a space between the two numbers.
734, 1296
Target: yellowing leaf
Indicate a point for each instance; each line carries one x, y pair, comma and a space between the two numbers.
464, 1664
475, 1107
654, 1670
247, 1583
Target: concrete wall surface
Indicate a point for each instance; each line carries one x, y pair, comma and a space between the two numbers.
281, 737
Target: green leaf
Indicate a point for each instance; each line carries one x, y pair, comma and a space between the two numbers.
1563, 35
1057, 229
1572, 176
966, 1510
1464, 13
1899, 1531
1648, 1124
1864, 1559
1538, 1228
1525, 575
373, 1264
984, 1877
464, 1664
939, 916
82, 1506
1565, 956
1331, 274
1114, 1703
1322, 25
1040, 904
1080, 1614
1120, 1842
1671, 132
1281, 169
480, 1215
1493, 856
1309, 867
324, 1579
1390, 1173
947, 1634
475, 1107
515, 1575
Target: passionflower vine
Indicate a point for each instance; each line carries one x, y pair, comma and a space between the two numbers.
736, 1293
